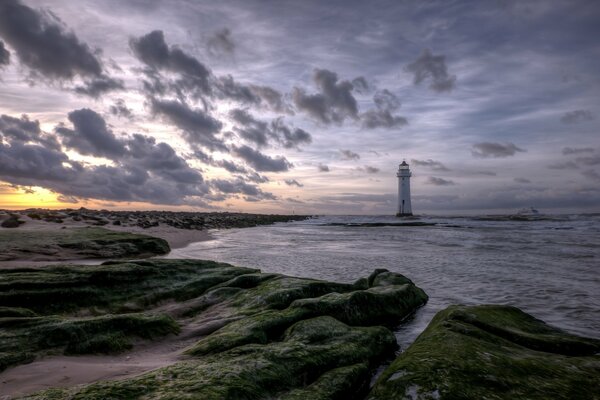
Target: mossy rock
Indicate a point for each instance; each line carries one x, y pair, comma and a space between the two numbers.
78, 243
317, 366
493, 352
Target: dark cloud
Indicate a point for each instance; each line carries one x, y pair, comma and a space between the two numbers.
221, 43
198, 127
371, 170
591, 174
32, 164
360, 85
333, 103
323, 168
161, 159
588, 161
495, 150
98, 86
42, 43
564, 165
144, 170
576, 116
293, 182
289, 137
432, 68
67, 199
232, 90
90, 135
431, 164
261, 133
571, 150
486, 173
120, 109
381, 119
25, 130
522, 180
155, 53
386, 100
261, 162
251, 129
273, 99
4, 55
432, 180
238, 186
349, 155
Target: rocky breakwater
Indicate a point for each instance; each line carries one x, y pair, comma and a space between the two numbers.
149, 219
250, 335
492, 352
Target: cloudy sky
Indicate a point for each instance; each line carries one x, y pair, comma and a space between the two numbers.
304, 106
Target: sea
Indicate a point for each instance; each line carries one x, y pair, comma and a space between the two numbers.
549, 266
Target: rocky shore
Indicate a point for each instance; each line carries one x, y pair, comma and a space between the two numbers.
253, 335
144, 219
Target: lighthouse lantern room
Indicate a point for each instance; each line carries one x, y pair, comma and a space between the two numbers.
404, 206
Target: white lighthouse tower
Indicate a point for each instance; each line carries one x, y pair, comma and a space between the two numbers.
404, 206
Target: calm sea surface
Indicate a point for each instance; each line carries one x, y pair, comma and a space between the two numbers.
549, 268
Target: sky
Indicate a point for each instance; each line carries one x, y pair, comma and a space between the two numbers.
300, 106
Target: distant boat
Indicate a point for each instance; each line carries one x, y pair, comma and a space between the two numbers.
528, 211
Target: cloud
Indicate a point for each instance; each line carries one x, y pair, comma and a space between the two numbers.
576, 116
323, 168
249, 128
564, 165
495, 150
349, 155
570, 150
522, 180
241, 187
371, 170
289, 137
262, 133
221, 43
198, 127
431, 164
432, 68
381, 119
334, 101
233, 90
90, 135
432, 180
120, 109
42, 44
4, 55
293, 182
98, 86
261, 162
25, 130
272, 98
591, 174
360, 85
152, 50
386, 100
589, 161
143, 170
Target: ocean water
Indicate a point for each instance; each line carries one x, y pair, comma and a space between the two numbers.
549, 267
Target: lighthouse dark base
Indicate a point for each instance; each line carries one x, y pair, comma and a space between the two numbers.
404, 215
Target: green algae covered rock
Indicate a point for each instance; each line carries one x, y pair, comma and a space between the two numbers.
77, 243
492, 352
270, 336
305, 364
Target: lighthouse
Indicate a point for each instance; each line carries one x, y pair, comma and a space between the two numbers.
404, 206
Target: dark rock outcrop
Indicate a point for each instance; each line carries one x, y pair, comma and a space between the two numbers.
492, 352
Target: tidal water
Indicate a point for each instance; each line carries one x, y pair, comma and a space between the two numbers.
550, 267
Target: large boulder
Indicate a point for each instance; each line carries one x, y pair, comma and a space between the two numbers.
492, 352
